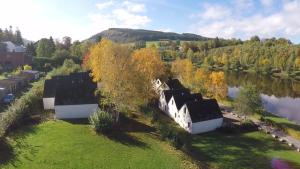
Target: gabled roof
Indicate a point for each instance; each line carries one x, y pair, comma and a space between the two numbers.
76, 88
169, 93
182, 98
204, 110
174, 84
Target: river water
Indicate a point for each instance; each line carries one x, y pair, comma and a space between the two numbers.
280, 96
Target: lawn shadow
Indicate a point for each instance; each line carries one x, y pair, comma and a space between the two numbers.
7, 152
126, 139
130, 125
11, 151
235, 150
77, 121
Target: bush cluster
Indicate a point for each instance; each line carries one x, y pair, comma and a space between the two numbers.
22, 108
178, 139
102, 121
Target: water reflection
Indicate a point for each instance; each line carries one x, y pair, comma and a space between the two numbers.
266, 84
281, 97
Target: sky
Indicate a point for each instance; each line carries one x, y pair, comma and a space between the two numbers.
81, 19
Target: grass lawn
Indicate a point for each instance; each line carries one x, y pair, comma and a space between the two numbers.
248, 150
290, 127
64, 145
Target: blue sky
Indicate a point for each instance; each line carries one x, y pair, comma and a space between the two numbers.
81, 18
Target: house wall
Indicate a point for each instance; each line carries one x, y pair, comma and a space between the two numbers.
172, 108
163, 105
205, 126
74, 111
48, 103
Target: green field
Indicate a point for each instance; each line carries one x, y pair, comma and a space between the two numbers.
63, 145
248, 150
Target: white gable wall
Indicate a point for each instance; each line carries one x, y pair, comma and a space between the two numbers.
205, 126
48, 103
184, 119
163, 105
75, 111
173, 108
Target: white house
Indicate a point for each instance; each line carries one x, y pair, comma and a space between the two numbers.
49, 94
11, 47
71, 96
200, 116
190, 111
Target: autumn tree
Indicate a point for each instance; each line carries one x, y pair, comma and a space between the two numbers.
248, 101
183, 68
124, 76
148, 63
217, 85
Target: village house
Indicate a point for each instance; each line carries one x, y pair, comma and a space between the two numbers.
14, 56
190, 111
71, 96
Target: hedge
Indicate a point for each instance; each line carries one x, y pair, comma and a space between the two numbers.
28, 104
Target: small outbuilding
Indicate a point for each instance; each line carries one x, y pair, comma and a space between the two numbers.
71, 96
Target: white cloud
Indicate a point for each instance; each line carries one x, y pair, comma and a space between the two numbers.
215, 12
104, 5
127, 15
283, 23
267, 3
134, 7
243, 4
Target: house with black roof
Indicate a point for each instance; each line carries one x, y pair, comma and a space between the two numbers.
200, 116
71, 96
190, 111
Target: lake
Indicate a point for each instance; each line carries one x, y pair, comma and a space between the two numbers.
280, 96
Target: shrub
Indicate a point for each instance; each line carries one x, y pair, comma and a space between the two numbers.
177, 138
22, 108
101, 121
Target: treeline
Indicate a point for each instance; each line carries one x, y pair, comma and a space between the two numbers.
10, 35
29, 105
49, 54
268, 56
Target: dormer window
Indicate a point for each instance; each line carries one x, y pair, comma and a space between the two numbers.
184, 110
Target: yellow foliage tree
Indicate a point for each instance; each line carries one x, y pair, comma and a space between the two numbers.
184, 70
27, 67
297, 63
217, 85
125, 76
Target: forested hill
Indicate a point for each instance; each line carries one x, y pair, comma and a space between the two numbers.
133, 35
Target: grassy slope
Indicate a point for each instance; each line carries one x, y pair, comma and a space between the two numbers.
64, 145
291, 127
250, 150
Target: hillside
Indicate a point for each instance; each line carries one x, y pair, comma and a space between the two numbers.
132, 35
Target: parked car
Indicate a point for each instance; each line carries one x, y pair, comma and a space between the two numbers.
8, 98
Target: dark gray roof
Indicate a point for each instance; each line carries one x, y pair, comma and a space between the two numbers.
169, 93
206, 109
182, 98
76, 88
174, 84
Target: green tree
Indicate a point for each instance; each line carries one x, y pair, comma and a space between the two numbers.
18, 37
45, 48
248, 101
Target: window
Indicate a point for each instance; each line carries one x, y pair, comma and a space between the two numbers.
189, 124
175, 115
165, 108
172, 101
184, 110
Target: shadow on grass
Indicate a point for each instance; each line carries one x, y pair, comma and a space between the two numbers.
130, 125
77, 121
126, 139
10, 151
7, 152
236, 151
